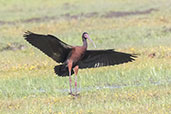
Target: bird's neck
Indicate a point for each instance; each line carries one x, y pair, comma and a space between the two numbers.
85, 43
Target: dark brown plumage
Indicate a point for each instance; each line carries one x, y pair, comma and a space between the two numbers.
100, 58
74, 57
50, 45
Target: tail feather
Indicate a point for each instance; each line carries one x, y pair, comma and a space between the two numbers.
62, 70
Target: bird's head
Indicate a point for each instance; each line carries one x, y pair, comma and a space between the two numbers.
85, 36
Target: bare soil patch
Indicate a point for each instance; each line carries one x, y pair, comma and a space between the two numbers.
13, 47
131, 13
68, 16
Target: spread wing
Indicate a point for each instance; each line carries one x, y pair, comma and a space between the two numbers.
99, 58
50, 45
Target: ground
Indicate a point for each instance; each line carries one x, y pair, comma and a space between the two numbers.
28, 83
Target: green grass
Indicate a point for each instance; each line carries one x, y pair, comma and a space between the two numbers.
28, 83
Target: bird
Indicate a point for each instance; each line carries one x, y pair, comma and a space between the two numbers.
73, 58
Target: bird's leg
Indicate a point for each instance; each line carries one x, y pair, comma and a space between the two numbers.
69, 68
70, 82
76, 72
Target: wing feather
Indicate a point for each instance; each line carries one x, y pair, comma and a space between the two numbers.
99, 58
50, 45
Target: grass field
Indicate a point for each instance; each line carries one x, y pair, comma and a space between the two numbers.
28, 84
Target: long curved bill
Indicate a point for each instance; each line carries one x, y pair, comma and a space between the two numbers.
91, 41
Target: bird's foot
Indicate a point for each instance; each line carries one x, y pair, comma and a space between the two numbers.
70, 93
75, 95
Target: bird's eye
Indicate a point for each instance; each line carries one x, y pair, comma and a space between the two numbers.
86, 35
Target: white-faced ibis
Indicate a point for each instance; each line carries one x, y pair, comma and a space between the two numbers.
75, 57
